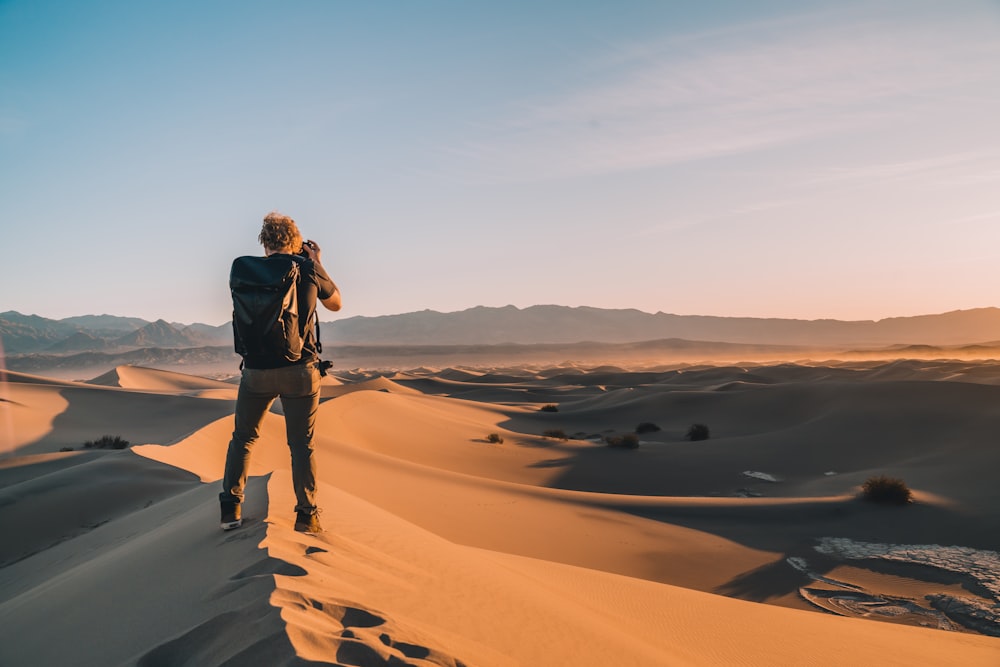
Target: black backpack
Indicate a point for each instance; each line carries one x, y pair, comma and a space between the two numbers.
266, 308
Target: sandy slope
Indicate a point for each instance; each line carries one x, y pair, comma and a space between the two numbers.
151, 379
44, 416
442, 548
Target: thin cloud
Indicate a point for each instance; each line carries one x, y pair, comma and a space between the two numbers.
992, 217
723, 97
736, 214
939, 166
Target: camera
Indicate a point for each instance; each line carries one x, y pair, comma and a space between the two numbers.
302, 251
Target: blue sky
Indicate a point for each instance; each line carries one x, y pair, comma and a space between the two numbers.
771, 159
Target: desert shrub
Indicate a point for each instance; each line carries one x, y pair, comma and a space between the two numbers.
495, 438
555, 433
107, 442
697, 432
551, 407
886, 490
627, 441
647, 427
65, 449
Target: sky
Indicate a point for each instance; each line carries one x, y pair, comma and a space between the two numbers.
766, 159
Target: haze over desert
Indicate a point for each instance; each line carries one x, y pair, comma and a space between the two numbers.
457, 533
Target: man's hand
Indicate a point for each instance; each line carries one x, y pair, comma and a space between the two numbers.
311, 248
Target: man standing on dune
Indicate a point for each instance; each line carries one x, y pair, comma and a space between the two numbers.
274, 311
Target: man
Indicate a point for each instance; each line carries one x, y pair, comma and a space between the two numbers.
271, 371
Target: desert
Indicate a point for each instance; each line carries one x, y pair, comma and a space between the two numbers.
475, 515
654, 333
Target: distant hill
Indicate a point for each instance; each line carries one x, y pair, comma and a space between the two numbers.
562, 324
24, 334
98, 324
35, 343
81, 341
158, 334
208, 334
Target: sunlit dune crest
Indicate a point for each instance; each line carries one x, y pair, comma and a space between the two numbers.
151, 379
467, 525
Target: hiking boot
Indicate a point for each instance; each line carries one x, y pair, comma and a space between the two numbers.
306, 522
231, 515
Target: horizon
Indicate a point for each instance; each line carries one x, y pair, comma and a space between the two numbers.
780, 159
520, 308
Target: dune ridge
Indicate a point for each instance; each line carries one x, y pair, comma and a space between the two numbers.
443, 548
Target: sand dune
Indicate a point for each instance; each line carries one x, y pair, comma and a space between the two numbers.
444, 548
151, 379
46, 416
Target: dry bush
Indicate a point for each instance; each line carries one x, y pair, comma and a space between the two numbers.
697, 432
627, 441
551, 407
557, 433
107, 442
495, 438
647, 427
886, 490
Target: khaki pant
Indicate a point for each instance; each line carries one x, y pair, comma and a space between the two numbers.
298, 388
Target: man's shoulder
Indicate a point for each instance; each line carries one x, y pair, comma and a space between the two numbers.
277, 257
275, 260
253, 269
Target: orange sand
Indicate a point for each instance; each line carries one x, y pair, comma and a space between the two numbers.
441, 548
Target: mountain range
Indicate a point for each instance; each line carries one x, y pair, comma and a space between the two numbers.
38, 342
562, 324
489, 326
22, 334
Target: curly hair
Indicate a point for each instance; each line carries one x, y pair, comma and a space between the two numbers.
280, 234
